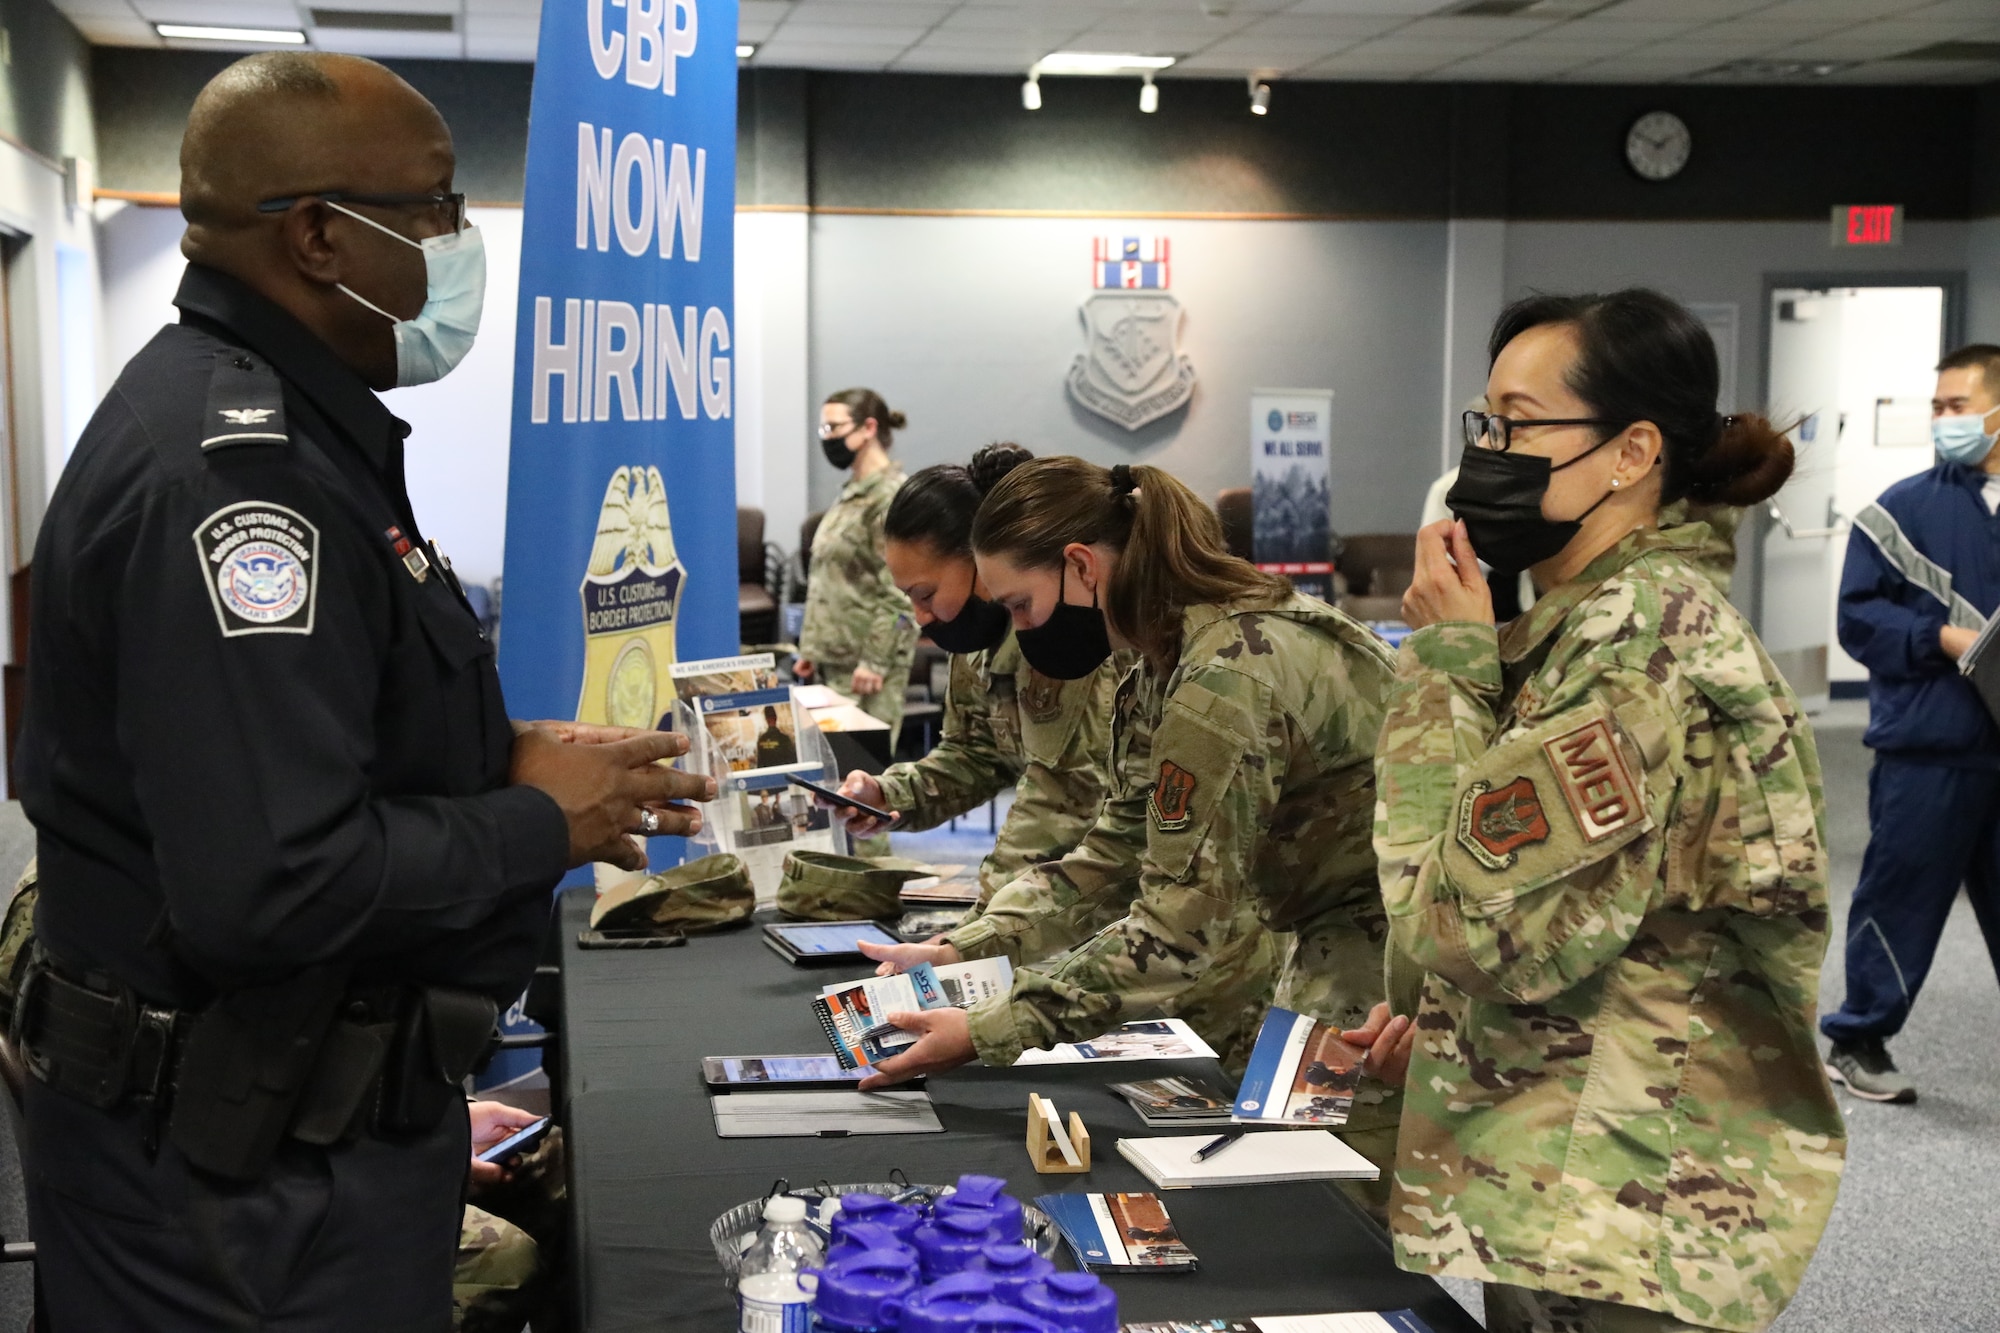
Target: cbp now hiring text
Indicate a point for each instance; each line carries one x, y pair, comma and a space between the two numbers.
645, 193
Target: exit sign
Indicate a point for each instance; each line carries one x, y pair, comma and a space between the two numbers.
1867, 224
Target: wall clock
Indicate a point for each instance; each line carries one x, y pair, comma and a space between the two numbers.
1657, 145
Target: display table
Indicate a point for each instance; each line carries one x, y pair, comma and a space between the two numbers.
648, 1174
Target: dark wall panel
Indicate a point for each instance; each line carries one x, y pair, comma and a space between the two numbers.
142, 100
1759, 153
925, 143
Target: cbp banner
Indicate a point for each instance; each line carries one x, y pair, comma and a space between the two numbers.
1290, 499
621, 490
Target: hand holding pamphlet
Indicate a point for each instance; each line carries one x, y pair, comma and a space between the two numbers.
1301, 1072
855, 1014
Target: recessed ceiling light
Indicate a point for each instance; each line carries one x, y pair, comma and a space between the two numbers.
194, 32
1100, 62
744, 50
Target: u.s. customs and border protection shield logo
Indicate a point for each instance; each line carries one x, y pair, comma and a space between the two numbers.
631, 597
1494, 824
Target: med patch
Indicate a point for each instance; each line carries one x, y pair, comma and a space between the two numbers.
1596, 782
1172, 801
1495, 823
261, 564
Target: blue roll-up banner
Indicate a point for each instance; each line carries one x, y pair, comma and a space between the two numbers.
621, 485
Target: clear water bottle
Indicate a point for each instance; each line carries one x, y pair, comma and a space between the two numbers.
771, 1296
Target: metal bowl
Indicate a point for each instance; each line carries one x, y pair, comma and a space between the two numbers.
733, 1233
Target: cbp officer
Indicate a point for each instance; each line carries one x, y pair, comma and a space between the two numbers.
293, 855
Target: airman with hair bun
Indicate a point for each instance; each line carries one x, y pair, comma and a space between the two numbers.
1602, 845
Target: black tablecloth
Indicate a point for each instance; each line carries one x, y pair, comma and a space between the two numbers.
648, 1174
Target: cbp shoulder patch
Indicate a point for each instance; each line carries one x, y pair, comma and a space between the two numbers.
261, 564
1596, 781
1172, 801
1494, 824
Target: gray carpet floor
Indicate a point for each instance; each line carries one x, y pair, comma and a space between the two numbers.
1912, 1241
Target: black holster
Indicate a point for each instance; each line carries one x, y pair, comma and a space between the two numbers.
441, 1036
244, 1066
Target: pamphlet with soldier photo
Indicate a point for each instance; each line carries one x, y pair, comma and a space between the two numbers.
1300, 1072
1119, 1233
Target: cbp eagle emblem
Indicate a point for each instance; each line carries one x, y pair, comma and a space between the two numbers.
631, 599
1131, 370
1494, 824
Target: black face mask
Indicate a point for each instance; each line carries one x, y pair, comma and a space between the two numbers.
836, 451
979, 625
1071, 643
1499, 495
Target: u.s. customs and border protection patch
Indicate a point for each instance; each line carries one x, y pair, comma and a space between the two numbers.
261, 564
1597, 783
1172, 801
1494, 824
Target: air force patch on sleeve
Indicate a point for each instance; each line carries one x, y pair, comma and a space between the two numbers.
261, 564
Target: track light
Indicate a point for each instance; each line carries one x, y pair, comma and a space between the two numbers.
1149, 96
1260, 97
1031, 94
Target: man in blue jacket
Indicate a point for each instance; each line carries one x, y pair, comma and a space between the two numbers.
1922, 576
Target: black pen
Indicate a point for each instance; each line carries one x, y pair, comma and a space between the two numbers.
1216, 1145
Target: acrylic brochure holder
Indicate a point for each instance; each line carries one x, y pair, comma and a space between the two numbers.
749, 742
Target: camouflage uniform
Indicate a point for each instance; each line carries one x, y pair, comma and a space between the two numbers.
855, 614
511, 1246
1716, 556
1006, 723
1243, 798
1601, 838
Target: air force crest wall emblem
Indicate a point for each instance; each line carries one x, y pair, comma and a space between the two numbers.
1131, 370
631, 598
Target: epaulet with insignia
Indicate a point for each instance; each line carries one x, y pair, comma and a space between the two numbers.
246, 403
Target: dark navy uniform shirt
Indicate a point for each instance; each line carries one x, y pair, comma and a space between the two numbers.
255, 738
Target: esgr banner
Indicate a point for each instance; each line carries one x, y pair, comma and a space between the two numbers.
621, 490
1290, 499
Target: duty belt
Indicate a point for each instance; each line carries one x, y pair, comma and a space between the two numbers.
95, 1046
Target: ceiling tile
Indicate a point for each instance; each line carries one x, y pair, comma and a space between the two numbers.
1988, 10
1490, 32
107, 9
503, 8
1398, 8
1676, 10
391, 45
128, 31
223, 13
1646, 30
1321, 26
494, 25
830, 35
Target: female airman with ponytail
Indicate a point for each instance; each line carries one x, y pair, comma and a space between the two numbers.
1244, 794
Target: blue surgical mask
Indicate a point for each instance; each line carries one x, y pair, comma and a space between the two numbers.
429, 346
1962, 439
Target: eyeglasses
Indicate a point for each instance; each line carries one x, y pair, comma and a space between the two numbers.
829, 430
449, 208
1482, 426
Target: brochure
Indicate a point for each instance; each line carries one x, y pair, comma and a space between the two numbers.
1145, 1039
1357, 1321
1119, 1233
855, 1014
1300, 1073
1165, 1103
1257, 1158
725, 675
1981, 665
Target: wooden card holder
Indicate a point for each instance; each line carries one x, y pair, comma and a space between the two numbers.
1044, 1151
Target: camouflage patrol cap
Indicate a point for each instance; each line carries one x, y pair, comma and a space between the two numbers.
821, 886
702, 895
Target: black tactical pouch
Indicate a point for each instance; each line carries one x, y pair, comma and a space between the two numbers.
440, 1037
243, 1066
